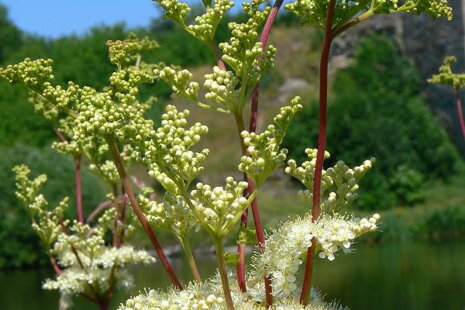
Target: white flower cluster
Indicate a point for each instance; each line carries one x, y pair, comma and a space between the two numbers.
75, 281
195, 296
264, 153
205, 25
340, 180
208, 296
179, 80
286, 245
91, 266
220, 208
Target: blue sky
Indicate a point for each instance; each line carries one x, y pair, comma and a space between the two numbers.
53, 18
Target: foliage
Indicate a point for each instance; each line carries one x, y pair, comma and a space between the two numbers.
387, 120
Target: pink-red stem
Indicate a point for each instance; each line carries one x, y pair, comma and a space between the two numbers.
254, 206
140, 215
123, 216
460, 112
77, 174
323, 113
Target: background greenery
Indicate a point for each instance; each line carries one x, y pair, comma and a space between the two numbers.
417, 166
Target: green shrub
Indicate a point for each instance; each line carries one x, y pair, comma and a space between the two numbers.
387, 120
447, 223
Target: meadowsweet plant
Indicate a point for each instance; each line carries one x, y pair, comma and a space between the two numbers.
84, 264
447, 77
109, 128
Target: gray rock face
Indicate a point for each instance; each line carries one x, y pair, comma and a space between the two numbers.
426, 42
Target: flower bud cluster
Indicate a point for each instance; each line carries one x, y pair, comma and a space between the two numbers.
173, 214
287, 244
339, 183
168, 153
314, 11
222, 90
205, 25
434, 8
220, 207
30, 73
45, 223
126, 52
264, 153
174, 10
447, 76
242, 52
179, 80
106, 170
42, 106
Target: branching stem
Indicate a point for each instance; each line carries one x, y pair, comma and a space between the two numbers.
323, 113
140, 215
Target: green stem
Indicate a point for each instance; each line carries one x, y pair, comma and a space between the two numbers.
223, 274
190, 258
337, 31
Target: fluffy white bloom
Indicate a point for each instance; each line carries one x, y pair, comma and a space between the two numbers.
287, 244
209, 296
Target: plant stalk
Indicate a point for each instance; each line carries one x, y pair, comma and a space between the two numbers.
115, 218
190, 258
123, 215
458, 102
323, 113
140, 215
77, 175
253, 128
223, 273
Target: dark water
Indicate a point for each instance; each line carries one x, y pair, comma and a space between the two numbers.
381, 277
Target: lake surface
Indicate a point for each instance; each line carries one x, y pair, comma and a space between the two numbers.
382, 277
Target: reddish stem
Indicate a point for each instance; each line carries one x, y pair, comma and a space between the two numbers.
116, 205
77, 173
123, 216
255, 211
55, 266
60, 136
99, 209
140, 215
460, 112
323, 113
